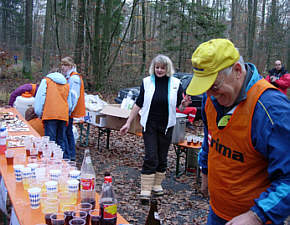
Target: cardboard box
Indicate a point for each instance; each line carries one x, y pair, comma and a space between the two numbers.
117, 117
92, 117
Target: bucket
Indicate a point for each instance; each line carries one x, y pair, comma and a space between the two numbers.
179, 128
23, 102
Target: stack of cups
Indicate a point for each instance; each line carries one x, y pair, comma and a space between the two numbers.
73, 187
51, 188
33, 166
26, 177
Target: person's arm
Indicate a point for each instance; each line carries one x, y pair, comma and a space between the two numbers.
271, 137
132, 116
40, 98
283, 82
18, 91
74, 91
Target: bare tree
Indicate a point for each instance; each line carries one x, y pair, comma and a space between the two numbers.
26, 70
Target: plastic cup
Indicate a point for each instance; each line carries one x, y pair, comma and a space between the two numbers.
74, 174
26, 177
85, 206
68, 211
54, 174
73, 187
95, 217
33, 166
9, 153
34, 197
80, 214
64, 199
50, 205
51, 188
77, 221
57, 218
18, 172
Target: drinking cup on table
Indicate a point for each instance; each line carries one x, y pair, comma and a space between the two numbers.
64, 199
34, 197
73, 187
33, 166
51, 188
57, 218
189, 139
32, 159
95, 216
33, 152
77, 221
80, 214
9, 153
85, 207
68, 211
74, 174
26, 177
50, 205
43, 197
18, 172
54, 174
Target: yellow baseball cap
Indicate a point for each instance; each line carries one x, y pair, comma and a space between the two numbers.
207, 60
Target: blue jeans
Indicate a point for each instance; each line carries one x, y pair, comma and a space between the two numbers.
70, 144
213, 219
55, 129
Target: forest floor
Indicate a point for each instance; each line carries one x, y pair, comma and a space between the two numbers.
182, 204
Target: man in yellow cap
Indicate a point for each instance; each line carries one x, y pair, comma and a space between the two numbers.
245, 156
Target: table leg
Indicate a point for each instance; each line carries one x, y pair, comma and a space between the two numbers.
108, 137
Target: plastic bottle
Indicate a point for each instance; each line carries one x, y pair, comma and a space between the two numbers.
153, 216
108, 203
3, 140
130, 101
88, 180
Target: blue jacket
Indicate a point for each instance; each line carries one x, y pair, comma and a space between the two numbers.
41, 92
271, 137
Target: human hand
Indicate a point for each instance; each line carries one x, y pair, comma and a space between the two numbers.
273, 78
204, 185
248, 218
124, 129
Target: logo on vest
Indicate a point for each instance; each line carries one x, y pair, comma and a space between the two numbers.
226, 151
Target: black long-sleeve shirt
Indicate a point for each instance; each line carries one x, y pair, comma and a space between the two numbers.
159, 104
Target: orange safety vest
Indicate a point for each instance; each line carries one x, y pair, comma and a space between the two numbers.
37, 125
80, 109
33, 89
237, 173
56, 105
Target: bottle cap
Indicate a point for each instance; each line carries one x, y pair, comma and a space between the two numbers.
26, 94
108, 179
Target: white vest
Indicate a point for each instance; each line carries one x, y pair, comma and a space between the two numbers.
149, 89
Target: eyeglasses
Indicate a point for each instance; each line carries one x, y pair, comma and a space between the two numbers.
217, 85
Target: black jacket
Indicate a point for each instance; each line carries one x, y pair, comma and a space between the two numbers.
278, 73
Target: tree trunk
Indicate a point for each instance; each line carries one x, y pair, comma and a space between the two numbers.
233, 21
47, 38
144, 39
80, 33
27, 40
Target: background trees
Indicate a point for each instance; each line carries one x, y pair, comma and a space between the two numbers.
114, 41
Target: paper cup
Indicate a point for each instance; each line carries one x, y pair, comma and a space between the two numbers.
18, 173
33, 166
54, 174
34, 197
74, 174
51, 186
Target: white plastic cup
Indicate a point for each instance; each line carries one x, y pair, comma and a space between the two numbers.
18, 172
51, 186
34, 197
74, 174
54, 174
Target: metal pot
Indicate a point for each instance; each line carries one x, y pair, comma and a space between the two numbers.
179, 128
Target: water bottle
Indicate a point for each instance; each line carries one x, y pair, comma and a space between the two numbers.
88, 180
108, 203
3, 140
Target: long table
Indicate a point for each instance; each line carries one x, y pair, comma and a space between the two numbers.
18, 196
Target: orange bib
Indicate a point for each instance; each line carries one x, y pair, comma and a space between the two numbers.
237, 173
80, 109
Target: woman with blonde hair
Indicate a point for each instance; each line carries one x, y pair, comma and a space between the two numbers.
77, 106
160, 94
